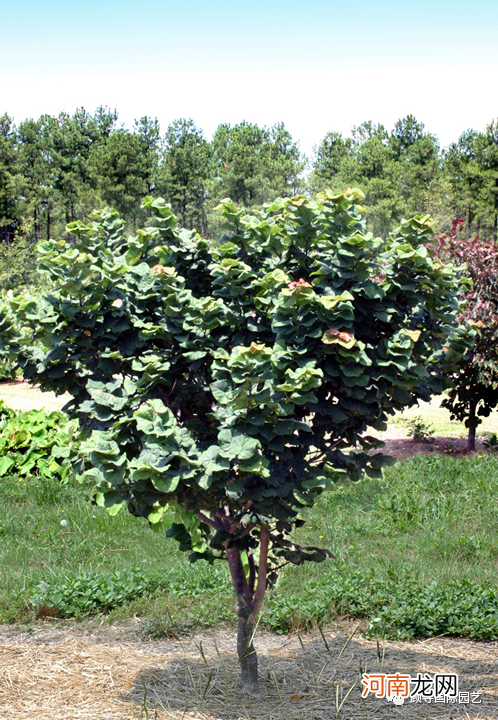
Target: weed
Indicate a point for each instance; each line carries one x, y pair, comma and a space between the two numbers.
419, 429
491, 443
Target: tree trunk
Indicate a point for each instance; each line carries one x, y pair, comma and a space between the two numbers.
247, 654
249, 600
184, 209
469, 223
471, 439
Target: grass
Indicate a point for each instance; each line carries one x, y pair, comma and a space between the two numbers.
435, 516
429, 520
36, 548
416, 552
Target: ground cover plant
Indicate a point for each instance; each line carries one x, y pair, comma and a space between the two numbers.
36, 445
232, 384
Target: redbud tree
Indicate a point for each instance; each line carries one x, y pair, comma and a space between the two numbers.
474, 393
221, 388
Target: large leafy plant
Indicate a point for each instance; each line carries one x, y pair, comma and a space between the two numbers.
232, 384
33, 443
474, 391
9, 348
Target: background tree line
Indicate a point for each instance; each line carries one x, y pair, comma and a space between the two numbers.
55, 170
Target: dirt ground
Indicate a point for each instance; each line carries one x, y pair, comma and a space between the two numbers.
102, 672
22, 396
399, 445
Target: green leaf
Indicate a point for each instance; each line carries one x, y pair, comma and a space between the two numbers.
235, 445
6, 464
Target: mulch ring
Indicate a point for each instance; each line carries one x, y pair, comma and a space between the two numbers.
400, 446
107, 673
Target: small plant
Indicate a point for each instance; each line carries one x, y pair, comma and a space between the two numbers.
471, 545
34, 444
398, 607
87, 594
419, 430
491, 443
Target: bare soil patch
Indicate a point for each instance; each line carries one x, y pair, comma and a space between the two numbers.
107, 673
20, 395
399, 445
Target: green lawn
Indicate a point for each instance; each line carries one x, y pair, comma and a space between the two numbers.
416, 552
429, 519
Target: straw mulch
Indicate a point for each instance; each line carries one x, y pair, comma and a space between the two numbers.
109, 674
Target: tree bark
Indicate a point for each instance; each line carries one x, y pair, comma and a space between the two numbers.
247, 655
249, 601
471, 439
35, 225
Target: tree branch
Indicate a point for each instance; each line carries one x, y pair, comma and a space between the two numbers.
252, 570
262, 569
205, 519
237, 572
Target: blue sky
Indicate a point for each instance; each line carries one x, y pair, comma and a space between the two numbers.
315, 65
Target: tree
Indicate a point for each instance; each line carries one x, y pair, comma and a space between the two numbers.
9, 182
487, 151
416, 154
285, 163
72, 138
461, 161
474, 393
374, 171
119, 172
148, 132
255, 164
399, 172
226, 387
185, 171
37, 186
328, 162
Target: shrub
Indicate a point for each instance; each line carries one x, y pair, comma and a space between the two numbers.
233, 383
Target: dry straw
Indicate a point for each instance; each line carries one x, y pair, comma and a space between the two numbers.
108, 674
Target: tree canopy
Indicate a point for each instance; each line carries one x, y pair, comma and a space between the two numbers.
222, 387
